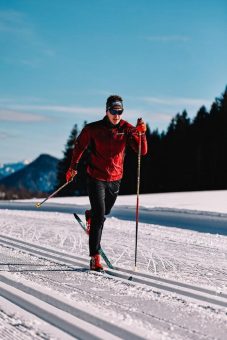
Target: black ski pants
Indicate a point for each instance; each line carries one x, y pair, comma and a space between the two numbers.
102, 196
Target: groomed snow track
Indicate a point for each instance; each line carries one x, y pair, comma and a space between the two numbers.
64, 317
74, 321
205, 297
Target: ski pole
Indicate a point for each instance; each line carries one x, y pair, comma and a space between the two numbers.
38, 205
137, 198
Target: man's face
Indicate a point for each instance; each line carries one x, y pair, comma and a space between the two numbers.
113, 116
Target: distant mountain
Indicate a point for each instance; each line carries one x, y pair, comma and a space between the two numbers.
37, 176
9, 168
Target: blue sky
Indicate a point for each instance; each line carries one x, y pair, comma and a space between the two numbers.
60, 60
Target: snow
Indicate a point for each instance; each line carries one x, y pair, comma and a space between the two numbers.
186, 257
16, 323
212, 201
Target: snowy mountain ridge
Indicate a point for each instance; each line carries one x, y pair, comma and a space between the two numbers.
7, 169
37, 176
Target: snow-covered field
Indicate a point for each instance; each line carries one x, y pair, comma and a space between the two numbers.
178, 292
213, 201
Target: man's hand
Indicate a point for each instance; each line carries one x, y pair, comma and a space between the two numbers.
70, 174
141, 126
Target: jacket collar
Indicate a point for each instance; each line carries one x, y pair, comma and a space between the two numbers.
108, 123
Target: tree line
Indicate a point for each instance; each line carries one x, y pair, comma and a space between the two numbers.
190, 155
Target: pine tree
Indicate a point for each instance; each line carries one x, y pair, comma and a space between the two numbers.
219, 134
64, 165
81, 178
146, 175
201, 144
128, 183
176, 149
155, 170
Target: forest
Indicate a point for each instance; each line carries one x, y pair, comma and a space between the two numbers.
190, 155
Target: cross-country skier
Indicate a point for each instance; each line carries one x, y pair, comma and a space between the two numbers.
107, 140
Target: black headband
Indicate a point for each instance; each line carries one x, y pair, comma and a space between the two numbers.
117, 103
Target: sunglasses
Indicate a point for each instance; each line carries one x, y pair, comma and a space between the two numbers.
115, 112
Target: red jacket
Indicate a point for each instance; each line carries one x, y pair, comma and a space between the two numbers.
107, 144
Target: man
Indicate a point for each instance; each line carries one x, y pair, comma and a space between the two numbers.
107, 140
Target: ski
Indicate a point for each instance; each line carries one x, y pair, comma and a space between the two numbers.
101, 251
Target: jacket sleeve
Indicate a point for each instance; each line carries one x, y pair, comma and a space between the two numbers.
133, 141
81, 143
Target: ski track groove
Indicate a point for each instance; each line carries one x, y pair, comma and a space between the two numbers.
59, 314
127, 306
124, 306
13, 327
68, 327
106, 328
198, 293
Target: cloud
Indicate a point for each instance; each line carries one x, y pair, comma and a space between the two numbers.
5, 135
176, 101
15, 99
158, 111
14, 22
30, 62
161, 117
58, 108
168, 38
15, 116
149, 115
88, 113
16, 27
6, 100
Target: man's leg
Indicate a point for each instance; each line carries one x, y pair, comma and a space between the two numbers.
111, 195
96, 192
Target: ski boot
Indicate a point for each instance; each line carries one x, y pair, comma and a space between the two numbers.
95, 263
